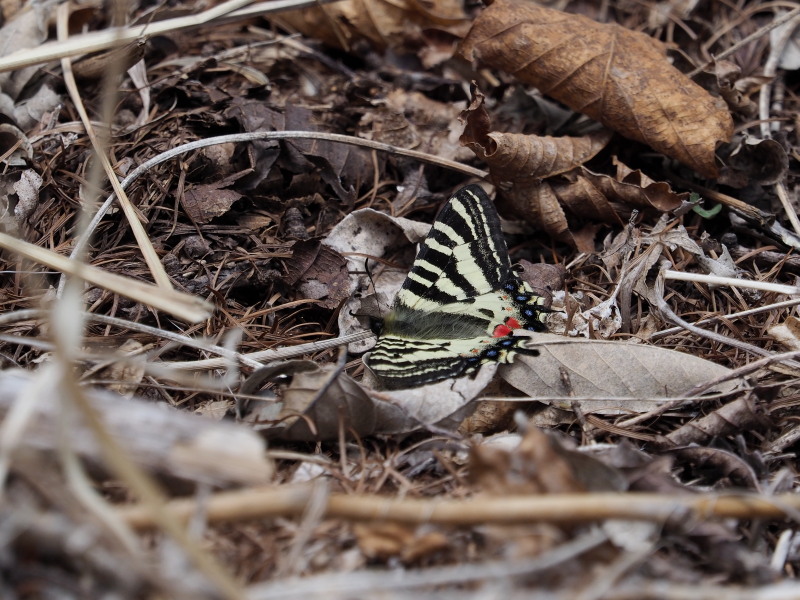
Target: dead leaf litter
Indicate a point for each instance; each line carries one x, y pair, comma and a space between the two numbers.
184, 410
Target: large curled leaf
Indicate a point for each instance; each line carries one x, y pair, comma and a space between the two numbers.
444, 404
616, 76
318, 403
624, 377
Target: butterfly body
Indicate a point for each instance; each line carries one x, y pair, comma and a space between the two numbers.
460, 303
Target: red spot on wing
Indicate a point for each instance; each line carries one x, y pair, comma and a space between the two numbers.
513, 323
501, 331
506, 328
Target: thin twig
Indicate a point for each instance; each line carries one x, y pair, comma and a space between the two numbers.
771, 67
258, 358
744, 370
694, 393
252, 359
753, 36
788, 206
763, 286
737, 315
289, 500
713, 335
658, 297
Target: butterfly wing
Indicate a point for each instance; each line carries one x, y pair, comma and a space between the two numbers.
460, 302
451, 265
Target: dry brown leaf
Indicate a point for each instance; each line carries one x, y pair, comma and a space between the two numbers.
320, 272
384, 24
341, 403
733, 89
523, 161
535, 467
390, 126
579, 197
437, 119
490, 416
538, 203
635, 189
204, 202
624, 377
616, 76
339, 165
387, 540
787, 333
591, 196
524, 158
541, 203
543, 278
540, 464
316, 403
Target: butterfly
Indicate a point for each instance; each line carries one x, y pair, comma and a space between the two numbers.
460, 304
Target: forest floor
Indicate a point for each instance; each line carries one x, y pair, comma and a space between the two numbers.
214, 187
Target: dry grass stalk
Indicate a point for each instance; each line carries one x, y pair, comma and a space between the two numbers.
98, 144
232, 10
179, 304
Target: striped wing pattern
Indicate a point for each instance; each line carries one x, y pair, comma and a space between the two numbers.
460, 303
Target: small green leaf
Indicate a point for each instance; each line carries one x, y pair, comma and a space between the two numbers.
695, 199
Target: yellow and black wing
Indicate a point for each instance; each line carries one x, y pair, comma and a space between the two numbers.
459, 304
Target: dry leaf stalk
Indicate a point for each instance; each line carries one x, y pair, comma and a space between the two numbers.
556, 508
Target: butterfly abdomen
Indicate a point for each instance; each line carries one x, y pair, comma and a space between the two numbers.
414, 324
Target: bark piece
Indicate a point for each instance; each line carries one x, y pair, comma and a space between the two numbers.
159, 438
